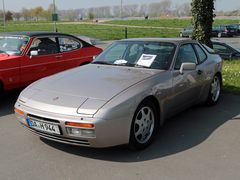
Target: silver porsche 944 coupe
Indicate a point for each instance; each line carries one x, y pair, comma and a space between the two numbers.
124, 95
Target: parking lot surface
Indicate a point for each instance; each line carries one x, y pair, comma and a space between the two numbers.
200, 143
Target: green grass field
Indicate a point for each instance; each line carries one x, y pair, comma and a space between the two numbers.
108, 30
172, 23
231, 77
93, 30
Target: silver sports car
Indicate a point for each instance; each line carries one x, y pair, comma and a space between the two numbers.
124, 95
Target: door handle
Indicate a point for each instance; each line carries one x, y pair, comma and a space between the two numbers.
60, 56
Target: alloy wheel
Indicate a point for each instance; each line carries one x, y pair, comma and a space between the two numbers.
144, 125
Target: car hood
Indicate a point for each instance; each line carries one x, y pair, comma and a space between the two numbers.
82, 90
4, 56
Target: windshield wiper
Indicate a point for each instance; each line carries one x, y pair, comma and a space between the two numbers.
101, 62
141, 66
1, 51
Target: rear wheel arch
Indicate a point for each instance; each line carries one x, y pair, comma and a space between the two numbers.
214, 90
1, 85
219, 74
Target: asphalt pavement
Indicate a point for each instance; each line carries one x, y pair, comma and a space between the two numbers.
202, 143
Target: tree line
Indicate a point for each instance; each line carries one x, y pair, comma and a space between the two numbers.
33, 14
163, 8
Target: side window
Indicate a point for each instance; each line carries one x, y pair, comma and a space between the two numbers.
44, 46
201, 54
221, 49
186, 54
68, 44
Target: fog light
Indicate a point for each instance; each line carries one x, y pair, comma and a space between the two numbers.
88, 132
80, 132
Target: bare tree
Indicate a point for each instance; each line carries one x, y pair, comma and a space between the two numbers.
116, 11
37, 11
26, 13
143, 10
91, 14
130, 10
182, 9
9, 16
17, 16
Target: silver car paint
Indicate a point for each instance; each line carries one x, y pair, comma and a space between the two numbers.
113, 96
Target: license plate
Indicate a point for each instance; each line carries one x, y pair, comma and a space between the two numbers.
42, 126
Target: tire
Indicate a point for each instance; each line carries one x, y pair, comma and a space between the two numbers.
214, 91
1, 90
143, 128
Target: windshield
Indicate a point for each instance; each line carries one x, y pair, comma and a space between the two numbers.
142, 54
13, 45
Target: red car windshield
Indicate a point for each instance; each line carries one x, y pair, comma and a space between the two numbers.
13, 45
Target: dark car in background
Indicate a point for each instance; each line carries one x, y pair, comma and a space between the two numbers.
186, 32
217, 31
223, 31
236, 27
226, 51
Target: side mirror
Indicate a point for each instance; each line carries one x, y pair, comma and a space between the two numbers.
187, 67
33, 53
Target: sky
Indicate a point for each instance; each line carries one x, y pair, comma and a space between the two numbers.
17, 5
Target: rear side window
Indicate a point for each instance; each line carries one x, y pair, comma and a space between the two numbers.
44, 46
209, 50
221, 49
201, 54
68, 44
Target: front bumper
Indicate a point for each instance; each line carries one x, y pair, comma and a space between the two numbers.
107, 132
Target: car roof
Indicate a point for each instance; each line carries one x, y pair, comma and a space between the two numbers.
35, 33
171, 40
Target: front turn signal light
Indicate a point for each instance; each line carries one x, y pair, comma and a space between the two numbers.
20, 112
80, 125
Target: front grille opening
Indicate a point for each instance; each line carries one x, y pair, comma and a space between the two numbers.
61, 139
42, 118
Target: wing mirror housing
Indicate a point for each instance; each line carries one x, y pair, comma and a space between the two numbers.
187, 67
33, 53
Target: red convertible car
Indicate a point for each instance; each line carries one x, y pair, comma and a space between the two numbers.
28, 56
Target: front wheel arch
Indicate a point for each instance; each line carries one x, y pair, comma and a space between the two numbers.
151, 102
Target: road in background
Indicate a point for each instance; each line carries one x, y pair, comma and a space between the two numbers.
234, 41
